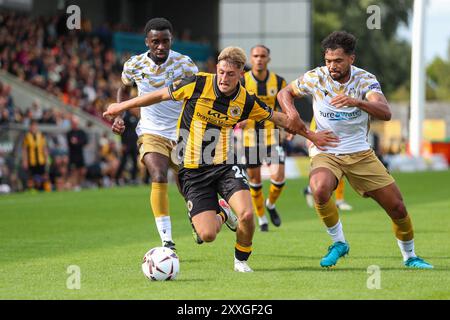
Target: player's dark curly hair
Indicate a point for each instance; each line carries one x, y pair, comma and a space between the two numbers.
158, 24
340, 39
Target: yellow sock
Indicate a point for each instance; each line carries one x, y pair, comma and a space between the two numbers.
340, 190
328, 212
257, 199
275, 191
403, 228
159, 200
47, 186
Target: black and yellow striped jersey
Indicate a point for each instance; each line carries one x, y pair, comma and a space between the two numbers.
266, 90
35, 145
205, 126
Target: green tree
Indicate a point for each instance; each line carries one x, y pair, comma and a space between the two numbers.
378, 51
438, 76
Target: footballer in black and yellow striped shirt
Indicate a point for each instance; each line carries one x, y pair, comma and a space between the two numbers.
261, 140
212, 105
266, 90
205, 127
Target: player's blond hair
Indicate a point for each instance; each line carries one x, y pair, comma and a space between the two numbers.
233, 55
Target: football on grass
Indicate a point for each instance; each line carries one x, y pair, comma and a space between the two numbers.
161, 264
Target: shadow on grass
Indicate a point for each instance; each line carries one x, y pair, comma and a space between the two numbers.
184, 260
191, 280
292, 257
347, 269
319, 257
351, 257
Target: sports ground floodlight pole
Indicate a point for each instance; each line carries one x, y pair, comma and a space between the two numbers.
417, 78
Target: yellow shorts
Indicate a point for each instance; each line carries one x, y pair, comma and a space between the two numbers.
148, 143
364, 171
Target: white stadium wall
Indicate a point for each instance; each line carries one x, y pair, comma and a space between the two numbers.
284, 26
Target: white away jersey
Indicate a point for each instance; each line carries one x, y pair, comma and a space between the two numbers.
350, 124
160, 119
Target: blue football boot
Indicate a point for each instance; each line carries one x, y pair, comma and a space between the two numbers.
417, 263
335, 251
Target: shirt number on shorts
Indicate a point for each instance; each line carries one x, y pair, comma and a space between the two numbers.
239, 173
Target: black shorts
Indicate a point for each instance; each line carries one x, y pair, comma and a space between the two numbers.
36, 170
201, 186
255, 156
76, 161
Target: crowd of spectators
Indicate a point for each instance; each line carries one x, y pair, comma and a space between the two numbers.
45, 116
77, 67
81, 70
94, 163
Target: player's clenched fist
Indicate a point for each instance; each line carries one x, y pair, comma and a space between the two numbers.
118, 126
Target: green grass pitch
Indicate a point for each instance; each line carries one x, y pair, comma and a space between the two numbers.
106, 233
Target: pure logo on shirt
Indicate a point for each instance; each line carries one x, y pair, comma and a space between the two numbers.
339, 116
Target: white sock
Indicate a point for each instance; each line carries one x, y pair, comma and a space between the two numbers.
263, 220
269, 205
407, 249
336, 232
164, 228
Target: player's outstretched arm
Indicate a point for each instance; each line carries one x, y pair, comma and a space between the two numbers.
286, 99
320, 139
145, 100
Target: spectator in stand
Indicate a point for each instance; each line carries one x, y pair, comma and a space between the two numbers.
6, 104
36, 111
4, 116
47, 117
76, 140
5, 92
